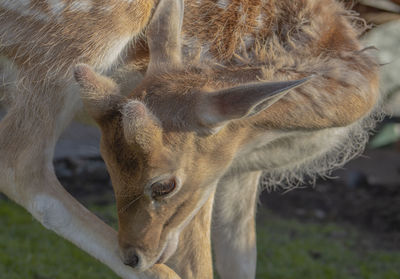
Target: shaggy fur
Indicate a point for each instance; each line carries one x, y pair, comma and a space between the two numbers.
40, 43
46, 43
233, 42
176, 123
175, 126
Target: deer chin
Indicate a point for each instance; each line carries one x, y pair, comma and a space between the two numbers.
169, 248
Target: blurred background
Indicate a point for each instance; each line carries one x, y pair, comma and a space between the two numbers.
344, 227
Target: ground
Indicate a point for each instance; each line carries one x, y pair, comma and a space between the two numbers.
347, 227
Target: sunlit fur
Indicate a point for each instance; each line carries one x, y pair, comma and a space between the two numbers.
40, 42
231, 42
312, 129
159, 129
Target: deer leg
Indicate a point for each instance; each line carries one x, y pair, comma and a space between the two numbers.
28, 134
233, 227
192, 258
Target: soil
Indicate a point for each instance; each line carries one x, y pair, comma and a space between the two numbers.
366, 193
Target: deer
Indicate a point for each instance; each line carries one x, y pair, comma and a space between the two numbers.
40, 43
232, 90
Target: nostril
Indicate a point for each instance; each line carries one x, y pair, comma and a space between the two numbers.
133, 261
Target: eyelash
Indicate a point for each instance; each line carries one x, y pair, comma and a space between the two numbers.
161, 189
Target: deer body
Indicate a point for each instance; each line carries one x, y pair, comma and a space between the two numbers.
40, 43
203, 121
232, 88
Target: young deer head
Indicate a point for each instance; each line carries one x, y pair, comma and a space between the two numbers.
168, 143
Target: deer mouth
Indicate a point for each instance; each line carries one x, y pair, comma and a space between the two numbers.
169, 249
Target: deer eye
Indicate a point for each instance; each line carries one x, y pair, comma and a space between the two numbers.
160, 189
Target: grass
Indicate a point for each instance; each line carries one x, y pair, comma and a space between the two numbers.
29, 251
289, 249
286, 249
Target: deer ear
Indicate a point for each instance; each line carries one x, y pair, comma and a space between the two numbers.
216, 108
100, 94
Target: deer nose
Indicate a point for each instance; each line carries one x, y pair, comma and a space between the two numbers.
132, 260
130, 255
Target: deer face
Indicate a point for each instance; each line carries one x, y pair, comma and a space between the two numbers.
163, 169
161, 174
161, 178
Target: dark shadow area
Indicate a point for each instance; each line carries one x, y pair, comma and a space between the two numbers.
366, 193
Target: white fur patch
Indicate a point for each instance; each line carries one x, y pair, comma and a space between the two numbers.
248, 40
23, 7
16, 5
50, 212
82, 6
56, 6
107, 9
223, 4
114, 51
260, 21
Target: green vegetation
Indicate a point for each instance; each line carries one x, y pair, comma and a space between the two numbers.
287, 249
29, 251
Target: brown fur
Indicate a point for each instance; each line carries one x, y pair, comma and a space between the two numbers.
169, 128
320, 41
49, 48
223, 47
43, 42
